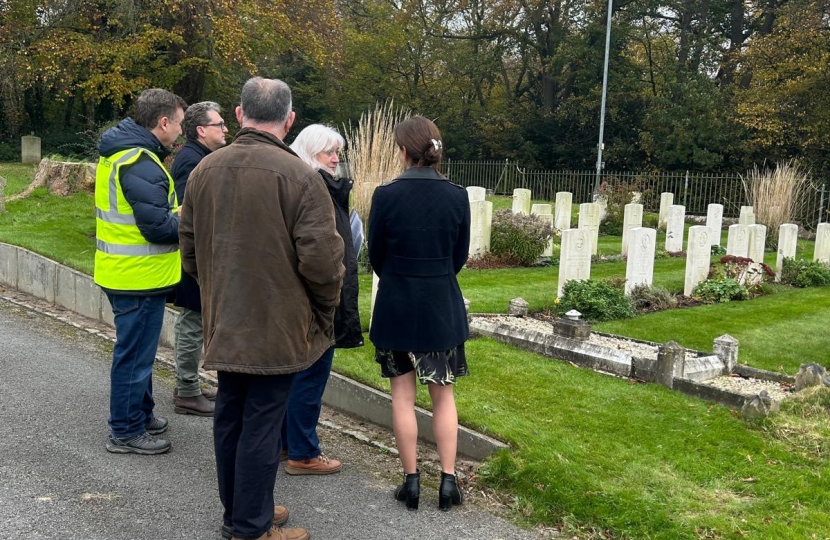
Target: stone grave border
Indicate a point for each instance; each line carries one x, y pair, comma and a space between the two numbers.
687, 377
53, 282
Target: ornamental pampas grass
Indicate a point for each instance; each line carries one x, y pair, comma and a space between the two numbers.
777, 196
371, 153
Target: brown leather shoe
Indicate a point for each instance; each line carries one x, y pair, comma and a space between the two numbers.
209, 393
198, 405
319, 465
280, 518
278, 533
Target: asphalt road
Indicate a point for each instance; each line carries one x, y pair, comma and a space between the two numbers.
58, 482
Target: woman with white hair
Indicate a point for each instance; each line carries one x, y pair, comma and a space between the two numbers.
319, 147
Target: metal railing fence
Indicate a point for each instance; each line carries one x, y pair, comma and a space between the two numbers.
693, 190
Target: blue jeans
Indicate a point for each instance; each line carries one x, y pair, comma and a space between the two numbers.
137, 329
299, 431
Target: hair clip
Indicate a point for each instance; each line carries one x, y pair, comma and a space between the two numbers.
437, 144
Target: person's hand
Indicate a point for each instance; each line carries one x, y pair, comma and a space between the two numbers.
179, 211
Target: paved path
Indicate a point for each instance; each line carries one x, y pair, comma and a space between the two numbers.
58, 482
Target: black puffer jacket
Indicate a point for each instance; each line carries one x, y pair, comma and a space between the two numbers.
145, 186
187, 292
347, 332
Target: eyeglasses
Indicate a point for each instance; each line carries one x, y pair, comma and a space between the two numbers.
220, 125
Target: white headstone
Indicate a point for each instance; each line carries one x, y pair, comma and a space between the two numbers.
476, 193
574, 257
639, 268
822, 253
521, 201
675, 228
481, 216
30, 149
562, 219
538, 209
547, 218
787, 242
589, 220
602, 201
698, 253
747, 216
666, 200
632, 217
714, 220
757, 242
737, 242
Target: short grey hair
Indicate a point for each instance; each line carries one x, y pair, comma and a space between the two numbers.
314, 139
267, 101
197, 115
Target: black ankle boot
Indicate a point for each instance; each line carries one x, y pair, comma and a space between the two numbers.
449, 492
410, 490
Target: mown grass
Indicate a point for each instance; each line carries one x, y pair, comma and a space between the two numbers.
61, 228
641, 462
17, 175
778, 332
600, 456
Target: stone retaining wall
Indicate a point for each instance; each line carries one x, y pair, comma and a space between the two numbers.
43, 278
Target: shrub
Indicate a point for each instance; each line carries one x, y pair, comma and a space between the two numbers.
646, 299
801, 273
617, 193
718, 251
650, 220
518, 237
596, 300
720, 290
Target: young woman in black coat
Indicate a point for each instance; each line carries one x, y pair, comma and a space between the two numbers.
419, 237
319, 146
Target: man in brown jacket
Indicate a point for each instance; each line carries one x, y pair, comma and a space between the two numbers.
257, 232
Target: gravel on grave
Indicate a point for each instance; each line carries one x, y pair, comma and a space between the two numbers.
634, 348
749, 386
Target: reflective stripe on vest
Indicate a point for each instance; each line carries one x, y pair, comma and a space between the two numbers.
124, 260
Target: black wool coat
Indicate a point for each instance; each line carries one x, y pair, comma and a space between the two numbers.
419, 238
347, 331
187, 294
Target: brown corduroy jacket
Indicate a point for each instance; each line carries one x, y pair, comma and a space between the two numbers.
257, 231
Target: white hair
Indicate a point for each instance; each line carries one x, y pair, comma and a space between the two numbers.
314, 139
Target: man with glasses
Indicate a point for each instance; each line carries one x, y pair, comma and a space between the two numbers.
205, 131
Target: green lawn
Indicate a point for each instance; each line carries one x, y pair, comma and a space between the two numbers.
17, 176
591, 452
62, 228
638, 460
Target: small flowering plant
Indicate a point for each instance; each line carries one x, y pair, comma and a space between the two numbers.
744, 271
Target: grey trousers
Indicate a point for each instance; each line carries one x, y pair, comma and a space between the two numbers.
189, 340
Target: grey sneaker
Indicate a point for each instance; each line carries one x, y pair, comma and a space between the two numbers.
144, 444
156, 426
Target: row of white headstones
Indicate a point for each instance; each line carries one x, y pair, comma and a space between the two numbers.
745, 238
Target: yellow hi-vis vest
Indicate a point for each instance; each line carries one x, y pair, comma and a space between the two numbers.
124, 260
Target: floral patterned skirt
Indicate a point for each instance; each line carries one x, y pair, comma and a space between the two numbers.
433, 367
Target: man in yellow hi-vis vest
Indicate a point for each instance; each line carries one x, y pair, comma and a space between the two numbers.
137, 259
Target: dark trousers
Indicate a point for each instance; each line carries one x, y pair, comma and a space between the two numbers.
138, 322
299, 431
246, 435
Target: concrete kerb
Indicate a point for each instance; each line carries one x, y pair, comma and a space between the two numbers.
44, 278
